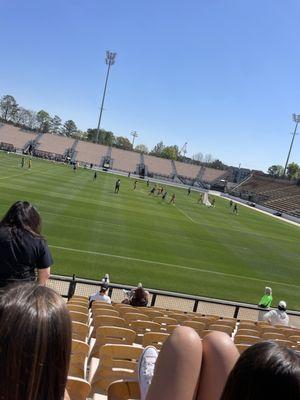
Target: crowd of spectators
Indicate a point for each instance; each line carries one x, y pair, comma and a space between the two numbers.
35, 336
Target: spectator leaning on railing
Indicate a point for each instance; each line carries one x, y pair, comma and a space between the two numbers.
23, 249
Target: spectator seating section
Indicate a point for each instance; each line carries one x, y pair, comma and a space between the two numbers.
54, 144
210, 175
106, 348
187, 170
278, 194
15, 136
123, 160
90, 153
158, 166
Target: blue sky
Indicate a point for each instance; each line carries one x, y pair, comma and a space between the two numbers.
222, 75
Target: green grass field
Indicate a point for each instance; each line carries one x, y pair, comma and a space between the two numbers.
135, 237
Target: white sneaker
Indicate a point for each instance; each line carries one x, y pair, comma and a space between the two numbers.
146, 368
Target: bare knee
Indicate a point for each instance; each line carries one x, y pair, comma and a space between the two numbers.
220, 344
185, 338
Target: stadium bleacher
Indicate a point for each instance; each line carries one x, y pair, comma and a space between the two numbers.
185, 170
123, 160
278, 194
90, 153
158, 166
112, 355
17, 137
54, 144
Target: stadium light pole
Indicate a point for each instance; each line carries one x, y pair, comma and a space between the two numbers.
134, 135
296, 118
109, 60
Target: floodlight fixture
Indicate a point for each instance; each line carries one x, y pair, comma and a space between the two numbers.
296, 119
109, 60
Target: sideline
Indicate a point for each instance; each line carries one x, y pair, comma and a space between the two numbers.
171, 265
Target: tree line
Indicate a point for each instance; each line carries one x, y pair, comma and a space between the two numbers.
292, 171
41, 121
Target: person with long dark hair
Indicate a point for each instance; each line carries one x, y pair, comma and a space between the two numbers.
35, 343
23, 249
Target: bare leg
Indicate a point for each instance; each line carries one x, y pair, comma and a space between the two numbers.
178, 367
219, 357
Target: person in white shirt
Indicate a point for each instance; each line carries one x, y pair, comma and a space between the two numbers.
102, 295
279, 316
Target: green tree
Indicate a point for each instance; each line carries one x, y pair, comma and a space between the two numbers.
293, 170
56, 125
217, 164
141, 148
275, 170
43, 120
70, 128
170, 152
123, 143
157, 149
8, 107
105, 137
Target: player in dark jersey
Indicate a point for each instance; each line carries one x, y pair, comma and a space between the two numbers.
117, 186
200, 199
22, 162
173, 199
164, 196
148, 183
230, 203
134, 185
152, 191
235, 209
95, 176
189, 191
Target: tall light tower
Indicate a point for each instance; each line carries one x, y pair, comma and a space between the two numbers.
134, 135
296, 118
109, 60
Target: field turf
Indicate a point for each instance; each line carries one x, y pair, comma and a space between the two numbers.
135, 237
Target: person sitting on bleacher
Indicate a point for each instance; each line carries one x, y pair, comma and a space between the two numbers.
102, 295
279, 316
138, 297
35, 343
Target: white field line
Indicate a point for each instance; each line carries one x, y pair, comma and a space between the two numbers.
170, 265
186, 215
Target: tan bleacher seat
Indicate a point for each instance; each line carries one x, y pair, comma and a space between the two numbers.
80, 331
226, 322
197, 326
79, 317
78, 389
248, 332
123, 390
180, 318
112, 335
124, 160
204, 333
118, 306
78, 361
130, 317
164, 321
15, 136
108, 320
54, 143
90, 152
77, 307
158, 166
105, 311
152, 313
272, 336
206, 320
187, 170
221, 328
246, 339
294, 338
155, 339
141, 327
118, 362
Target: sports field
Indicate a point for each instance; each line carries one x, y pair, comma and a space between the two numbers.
135, 237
